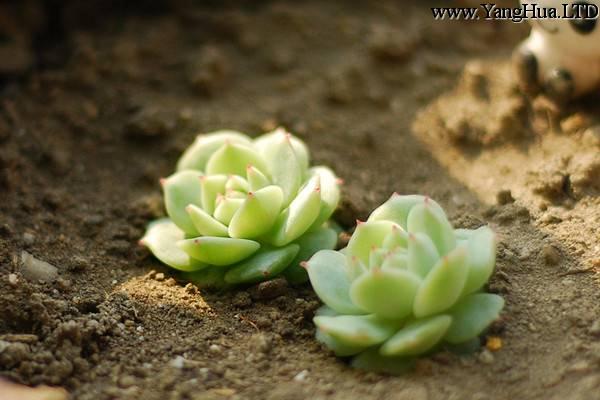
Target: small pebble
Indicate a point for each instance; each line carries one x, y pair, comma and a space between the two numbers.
486, 357
301, 376
28, 238
160, 276
269, 289
550, 255
35, 269
78, 263
177, 362
12, 279
215, 348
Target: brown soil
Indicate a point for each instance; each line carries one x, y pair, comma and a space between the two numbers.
390, 99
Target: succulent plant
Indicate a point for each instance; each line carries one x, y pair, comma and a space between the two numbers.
406, 284
243, 211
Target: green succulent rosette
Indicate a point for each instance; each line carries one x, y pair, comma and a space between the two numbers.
243, 210
406, 284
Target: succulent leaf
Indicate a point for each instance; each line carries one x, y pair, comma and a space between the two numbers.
226, 208
395, 259
300, 215
257, 213
481, 258
472, 315
376, 257
233, 158
329, 278
355, 268
161, 238
283, 165
368, 235
340, 348
196, 156
256, 179
236, 183
264, 265
204, 223
422, 254
357, 330
397, 238
326, 311
212, 187
443, 285
301, 151
218, 251
463, 234
310, 243
387, 293
180, 190
424, 219
397, 208
330, 194
417, 337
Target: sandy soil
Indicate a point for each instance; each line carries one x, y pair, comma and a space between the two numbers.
94, 115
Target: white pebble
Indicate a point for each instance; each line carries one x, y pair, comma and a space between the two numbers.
28, 238
301, 376
177, 362
35, 269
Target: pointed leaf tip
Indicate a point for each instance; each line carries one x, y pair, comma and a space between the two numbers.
302, 212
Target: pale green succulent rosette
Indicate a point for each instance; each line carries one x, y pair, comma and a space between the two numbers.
406, 284
244, 210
